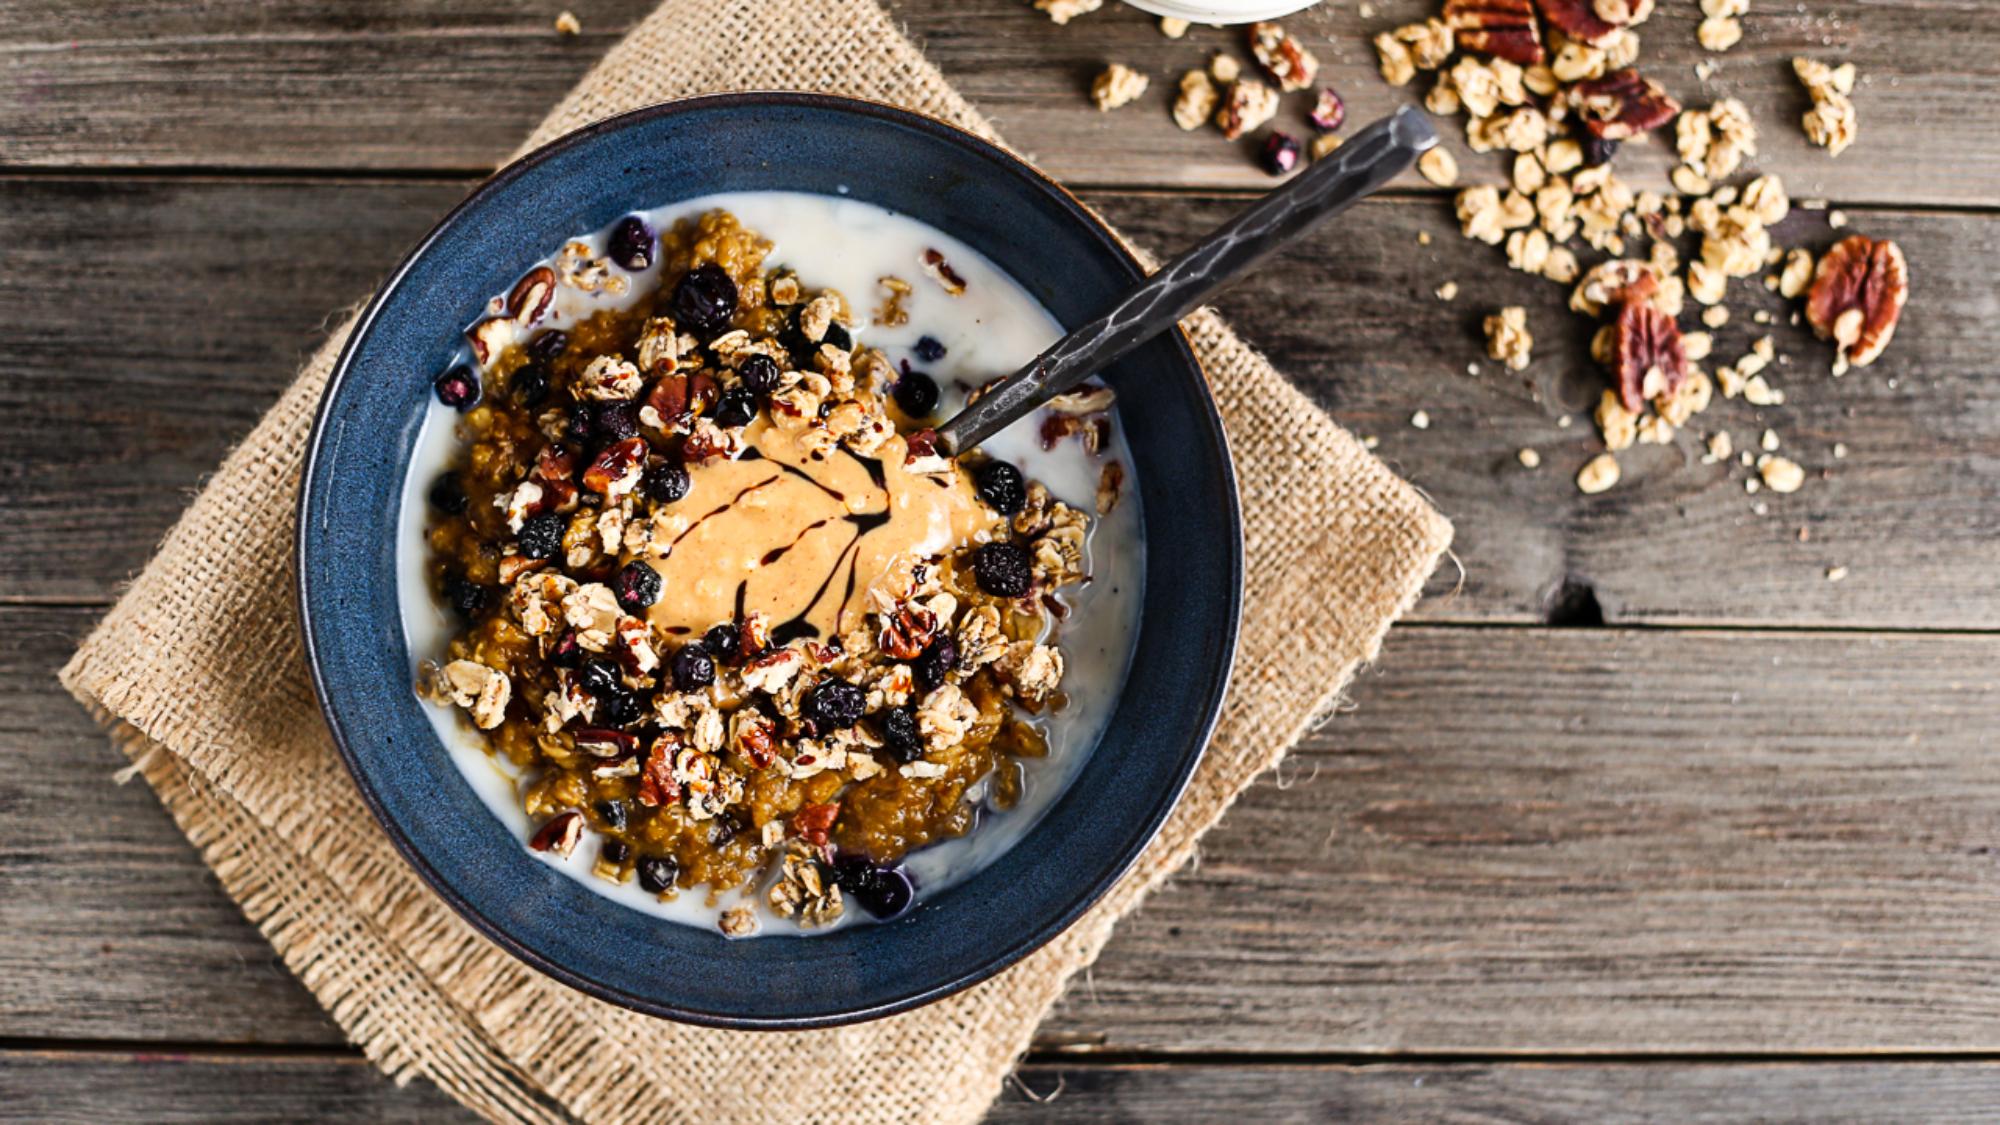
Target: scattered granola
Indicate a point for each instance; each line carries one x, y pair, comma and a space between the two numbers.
1247, 106
1831, 122
1196, 102
568, 25
1598, 474
1282, 56
1063, 11
1507, 338
1116, 86
1173, 28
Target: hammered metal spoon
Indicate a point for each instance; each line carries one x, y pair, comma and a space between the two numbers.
1332, 184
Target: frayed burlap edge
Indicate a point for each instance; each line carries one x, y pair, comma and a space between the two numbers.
197, 673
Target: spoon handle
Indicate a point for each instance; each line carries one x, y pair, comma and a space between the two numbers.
1331, 185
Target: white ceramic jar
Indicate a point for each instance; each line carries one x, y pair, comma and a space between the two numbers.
1222, 11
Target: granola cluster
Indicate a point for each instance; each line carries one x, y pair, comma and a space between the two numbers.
741, 751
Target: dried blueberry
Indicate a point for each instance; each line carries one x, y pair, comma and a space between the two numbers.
899, 733
705, 299
638, 586
547, 346
613, 812
835, 705
632, 243
566, 652
736, 407
619, 709
658, 872
1001, 485
580, 419
1328, 111
541, 536
667, 482
724, 643
837, 336
760, 374
725, 828
882, 891
614, 421
1281, 153
465, 597
529, 384
928, 349
615, 851
598, 677
447, 495
457, 388
1596, 150
916, 394
1002, 570
934, 663
694, 668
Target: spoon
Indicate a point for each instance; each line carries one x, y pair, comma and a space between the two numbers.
1331, 185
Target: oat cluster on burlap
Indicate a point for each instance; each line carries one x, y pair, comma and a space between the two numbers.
197, 673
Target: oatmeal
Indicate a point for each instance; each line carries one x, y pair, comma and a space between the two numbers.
734, 635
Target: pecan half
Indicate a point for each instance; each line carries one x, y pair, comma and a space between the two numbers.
1577, 19
656, 780
1857, 296
618, 468
1647, 355
560, 835
1621, 104
813, 822
1505, 28
531, 295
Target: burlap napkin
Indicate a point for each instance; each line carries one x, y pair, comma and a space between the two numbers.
197, 674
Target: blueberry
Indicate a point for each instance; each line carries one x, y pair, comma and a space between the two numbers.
882, 891
448, 495
725, 828
1597, 150
835, 705
916, 394
838, 337
736, 407
658, 872
1001, 485
467, 598
760, 374
598, 677
529, 384
566, 652
541, 536
615, 851
724, 643
1281, 153
934, 663
928, 349
705, 299
899, 731
638, 586
614, 421
1002, 570
632, 243
619, 708
547, 346
581, 423
694, 668
667, 482
613, 812
457, 388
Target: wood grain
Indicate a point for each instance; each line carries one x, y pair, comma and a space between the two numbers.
1521, 841
452, 85
124, 384
85, 1088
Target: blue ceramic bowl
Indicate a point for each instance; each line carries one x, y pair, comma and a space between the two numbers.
367, 427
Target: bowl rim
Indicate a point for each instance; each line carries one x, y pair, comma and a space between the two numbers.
1214, 685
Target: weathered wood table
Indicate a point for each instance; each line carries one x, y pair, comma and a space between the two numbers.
1642, 818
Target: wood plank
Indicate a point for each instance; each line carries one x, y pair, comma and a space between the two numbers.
454, 84
1569, 841
156, 359
59, 1087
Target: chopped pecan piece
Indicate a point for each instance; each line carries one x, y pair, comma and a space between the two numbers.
1621, 104
617, 469
1646, 354
1248, 105
1595, 22
656, 779
908, 632
1505, 28
560, 835
1857, 296
813, 822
